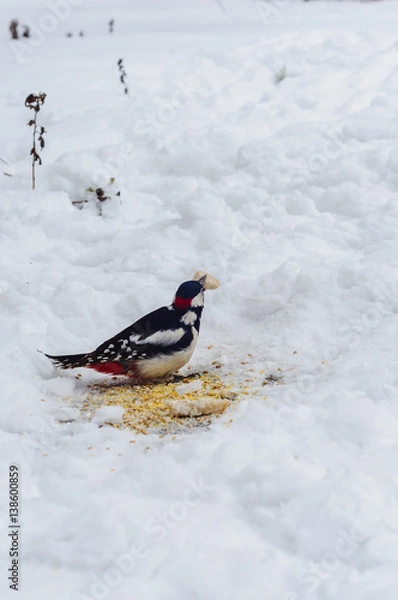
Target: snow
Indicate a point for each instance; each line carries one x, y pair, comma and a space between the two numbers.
185, 388
286, 192
108, 414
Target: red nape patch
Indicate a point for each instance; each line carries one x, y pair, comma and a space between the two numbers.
182, 303
112, 368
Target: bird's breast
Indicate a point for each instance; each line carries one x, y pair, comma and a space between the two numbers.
165, 364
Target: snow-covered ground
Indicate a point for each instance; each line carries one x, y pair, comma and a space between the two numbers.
286, 191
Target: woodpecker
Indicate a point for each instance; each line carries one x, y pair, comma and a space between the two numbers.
157, 345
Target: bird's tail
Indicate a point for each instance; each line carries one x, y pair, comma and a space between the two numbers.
68, 361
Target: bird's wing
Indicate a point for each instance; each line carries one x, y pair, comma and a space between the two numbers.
156, 333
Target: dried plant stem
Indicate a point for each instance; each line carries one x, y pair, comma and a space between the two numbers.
14, 29
34, 150
123, 75
34, 102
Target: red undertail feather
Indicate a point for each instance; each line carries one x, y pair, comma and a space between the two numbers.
73, 361
111, 368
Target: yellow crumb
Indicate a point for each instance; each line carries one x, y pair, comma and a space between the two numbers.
160, 407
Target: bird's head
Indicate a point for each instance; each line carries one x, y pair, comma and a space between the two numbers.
189, 294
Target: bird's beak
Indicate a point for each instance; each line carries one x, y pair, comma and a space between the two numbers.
202, 280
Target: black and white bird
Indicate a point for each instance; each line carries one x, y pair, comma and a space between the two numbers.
158, 344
